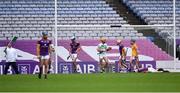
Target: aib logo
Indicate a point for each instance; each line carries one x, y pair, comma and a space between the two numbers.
24, 68
65, 68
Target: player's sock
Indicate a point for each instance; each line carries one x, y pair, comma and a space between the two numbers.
39, 76
40, 73
49, 68
103, 70
45, 76
75, 70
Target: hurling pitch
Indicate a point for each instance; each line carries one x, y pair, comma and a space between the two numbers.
107, 82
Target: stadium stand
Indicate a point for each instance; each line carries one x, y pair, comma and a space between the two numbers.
28, 18
155, 12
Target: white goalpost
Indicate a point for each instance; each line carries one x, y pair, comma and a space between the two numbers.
55, 36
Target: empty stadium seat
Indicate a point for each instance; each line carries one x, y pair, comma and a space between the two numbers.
29, 16
156, 12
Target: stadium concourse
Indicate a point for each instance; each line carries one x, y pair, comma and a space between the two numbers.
27, 19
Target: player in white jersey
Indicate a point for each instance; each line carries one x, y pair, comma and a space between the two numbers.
102, 51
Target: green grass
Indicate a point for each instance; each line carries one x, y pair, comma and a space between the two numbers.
128, 82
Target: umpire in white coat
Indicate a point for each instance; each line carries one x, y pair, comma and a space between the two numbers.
11, 56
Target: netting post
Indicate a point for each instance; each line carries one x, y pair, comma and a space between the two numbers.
174, 30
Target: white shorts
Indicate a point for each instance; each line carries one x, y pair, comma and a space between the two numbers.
73, 56
102, 55
45, 57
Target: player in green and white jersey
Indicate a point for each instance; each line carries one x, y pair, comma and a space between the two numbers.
102, 51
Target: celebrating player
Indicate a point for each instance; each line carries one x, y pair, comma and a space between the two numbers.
134, 57
102, 49
43, 51
123, 52
73, 51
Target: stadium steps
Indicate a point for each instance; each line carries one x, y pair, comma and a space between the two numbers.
124, 12
132, 19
